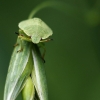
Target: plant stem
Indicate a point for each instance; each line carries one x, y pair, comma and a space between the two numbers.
39, 7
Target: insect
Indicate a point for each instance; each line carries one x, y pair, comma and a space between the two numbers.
35, 30
28, 62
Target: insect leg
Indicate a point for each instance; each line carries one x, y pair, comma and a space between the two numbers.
41, 45
21, 44
15, 45
20, 50
25, 38
43, 55
45, 40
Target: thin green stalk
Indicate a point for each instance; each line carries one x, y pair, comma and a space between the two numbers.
58, 5
40, 7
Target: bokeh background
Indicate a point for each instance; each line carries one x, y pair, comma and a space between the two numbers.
72, 59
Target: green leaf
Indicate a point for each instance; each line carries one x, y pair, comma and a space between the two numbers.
19, 69
38, 74
28, 91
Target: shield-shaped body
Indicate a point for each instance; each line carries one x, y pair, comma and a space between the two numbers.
36, 29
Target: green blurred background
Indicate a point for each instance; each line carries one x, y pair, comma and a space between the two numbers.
72, 59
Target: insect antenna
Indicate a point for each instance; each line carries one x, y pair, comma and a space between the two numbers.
17, 33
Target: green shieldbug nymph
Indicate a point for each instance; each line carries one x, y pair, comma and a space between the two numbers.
36, 29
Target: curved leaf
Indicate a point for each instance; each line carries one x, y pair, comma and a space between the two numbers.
38, 74
19, 69
28, 91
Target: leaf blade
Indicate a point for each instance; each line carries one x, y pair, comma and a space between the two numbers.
17, 66
39, 77
28, 91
